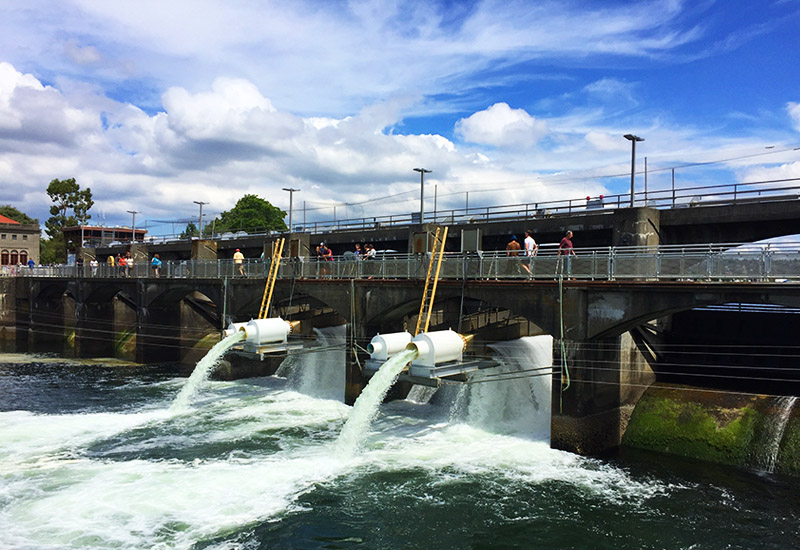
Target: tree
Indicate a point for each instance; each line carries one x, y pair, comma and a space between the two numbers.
18, 216
190, 231
252, 214
66, 195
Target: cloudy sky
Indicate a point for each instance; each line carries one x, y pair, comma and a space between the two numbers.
154, 105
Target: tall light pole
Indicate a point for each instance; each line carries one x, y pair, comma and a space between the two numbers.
633, 139
200, 218
291, 197
422, 172
133, 224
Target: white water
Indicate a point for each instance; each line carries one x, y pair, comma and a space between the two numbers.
319, 373
775, 433
507, 399
147, 480
202, 371
366, 406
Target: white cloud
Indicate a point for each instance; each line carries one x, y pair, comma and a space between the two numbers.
82, 55
794, 113
502, 126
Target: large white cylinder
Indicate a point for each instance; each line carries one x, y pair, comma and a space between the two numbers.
266, 331
383, 346
232, 329
437, 347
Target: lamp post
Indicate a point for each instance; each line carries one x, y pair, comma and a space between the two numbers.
291, 197
422, 172
133, 224
633, 139
200, 218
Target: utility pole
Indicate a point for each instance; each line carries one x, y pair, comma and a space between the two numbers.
422, 172
200, 224
291, 197
133, 224
633, 139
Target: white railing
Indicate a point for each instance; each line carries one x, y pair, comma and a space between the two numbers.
708, 262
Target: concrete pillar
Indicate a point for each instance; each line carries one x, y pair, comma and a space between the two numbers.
607, 377
124, 329
197, 334
637, 227
204, 250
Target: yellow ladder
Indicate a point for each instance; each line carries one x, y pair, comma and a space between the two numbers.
277, 251
426, 307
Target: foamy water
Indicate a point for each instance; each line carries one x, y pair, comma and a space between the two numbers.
257, 462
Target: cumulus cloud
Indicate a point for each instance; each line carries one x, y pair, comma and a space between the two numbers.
33, 113
501, 126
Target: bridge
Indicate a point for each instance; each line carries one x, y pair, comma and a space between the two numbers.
741, 212
612, 308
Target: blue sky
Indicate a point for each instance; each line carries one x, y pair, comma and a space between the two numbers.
154, 105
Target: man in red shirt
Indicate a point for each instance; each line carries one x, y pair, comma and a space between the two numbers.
565, 248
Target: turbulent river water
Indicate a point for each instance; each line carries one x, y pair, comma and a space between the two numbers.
93, 456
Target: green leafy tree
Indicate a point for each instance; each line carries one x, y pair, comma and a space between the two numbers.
252, 214
18, 216
190, 231
67, 196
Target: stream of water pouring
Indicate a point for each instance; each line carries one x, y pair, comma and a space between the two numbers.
366, 406
203, 370
786, 404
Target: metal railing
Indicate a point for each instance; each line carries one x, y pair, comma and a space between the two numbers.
709, 262
686, 197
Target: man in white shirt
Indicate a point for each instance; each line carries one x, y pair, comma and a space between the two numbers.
530, 245
530, 249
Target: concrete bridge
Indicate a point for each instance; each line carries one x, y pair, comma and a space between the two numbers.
610, 328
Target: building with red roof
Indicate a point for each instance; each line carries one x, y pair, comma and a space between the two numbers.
19, 242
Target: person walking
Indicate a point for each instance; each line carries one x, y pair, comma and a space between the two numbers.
238, 261
155, 263
121, 262
531, 248
129, 265
565, 248
512, 251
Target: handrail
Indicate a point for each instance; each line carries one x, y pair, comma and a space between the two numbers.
696, 262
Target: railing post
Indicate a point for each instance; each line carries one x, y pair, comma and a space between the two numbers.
658, 264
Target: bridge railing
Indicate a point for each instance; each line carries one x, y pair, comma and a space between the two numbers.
724, 262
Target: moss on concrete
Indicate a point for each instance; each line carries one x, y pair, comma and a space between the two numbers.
789, 454
703, 425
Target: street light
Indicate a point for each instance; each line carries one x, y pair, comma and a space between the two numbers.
291, 197
422, 172
200, 218
133, 224
633, 139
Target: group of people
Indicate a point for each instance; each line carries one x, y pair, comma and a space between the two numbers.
368, 252
565, 248
123, 264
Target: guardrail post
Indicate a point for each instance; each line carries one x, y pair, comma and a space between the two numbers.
611, 264
658, 265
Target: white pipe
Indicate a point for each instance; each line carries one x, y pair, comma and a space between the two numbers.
383, 346
437, 347
266, 331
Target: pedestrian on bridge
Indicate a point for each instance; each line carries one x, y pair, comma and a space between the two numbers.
512, 251
238, 261
565, 248
156, 265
